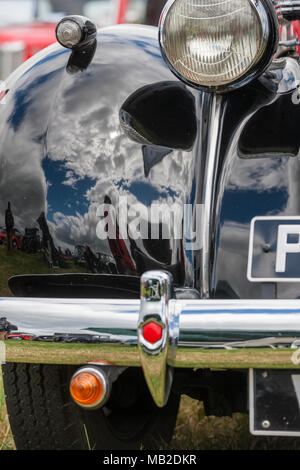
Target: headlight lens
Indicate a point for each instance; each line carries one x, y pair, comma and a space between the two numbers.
213, 43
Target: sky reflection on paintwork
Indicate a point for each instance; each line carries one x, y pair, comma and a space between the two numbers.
62, 147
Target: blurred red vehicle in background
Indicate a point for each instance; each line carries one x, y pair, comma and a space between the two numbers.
16, 238
27, 26
21, 336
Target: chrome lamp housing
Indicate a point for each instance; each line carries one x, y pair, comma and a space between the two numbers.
218, 46
75, 32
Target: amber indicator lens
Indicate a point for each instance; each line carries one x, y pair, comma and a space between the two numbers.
87, 388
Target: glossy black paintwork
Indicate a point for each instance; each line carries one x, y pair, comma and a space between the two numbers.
276, 131
76, 285
66, 147
64, 151
173, 107
259, 177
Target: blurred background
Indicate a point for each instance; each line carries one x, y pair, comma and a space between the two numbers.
27, 26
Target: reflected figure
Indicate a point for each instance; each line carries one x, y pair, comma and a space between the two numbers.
51, 253
31, 241
106, 264
90, 260
86, 258
79, 259
9, 224
118, 248
6, 328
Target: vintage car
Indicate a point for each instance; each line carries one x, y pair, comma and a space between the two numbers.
175, 151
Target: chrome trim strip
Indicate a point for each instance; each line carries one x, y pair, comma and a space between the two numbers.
286, 3
284, 73
209, 190
287, 6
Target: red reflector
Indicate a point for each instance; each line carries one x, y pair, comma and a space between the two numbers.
152, 332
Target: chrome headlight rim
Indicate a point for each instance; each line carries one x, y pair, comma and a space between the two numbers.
270, 39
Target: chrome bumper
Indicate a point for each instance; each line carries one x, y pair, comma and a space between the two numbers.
218, 334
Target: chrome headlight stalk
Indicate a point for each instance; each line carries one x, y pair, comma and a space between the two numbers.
218, 46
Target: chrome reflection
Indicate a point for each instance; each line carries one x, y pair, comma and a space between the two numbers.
156, 293
216, 117
202, 323
205, 324
283, 75
73, 320
239, 323
183, 333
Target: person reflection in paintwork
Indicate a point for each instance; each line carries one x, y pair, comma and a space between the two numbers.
50, 251
118, 248
9, 224
91, 260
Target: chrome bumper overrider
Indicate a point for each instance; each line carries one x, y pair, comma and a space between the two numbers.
218, 334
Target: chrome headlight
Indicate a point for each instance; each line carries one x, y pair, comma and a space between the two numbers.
218, 44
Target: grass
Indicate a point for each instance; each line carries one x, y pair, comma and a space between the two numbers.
194, 431
18, 262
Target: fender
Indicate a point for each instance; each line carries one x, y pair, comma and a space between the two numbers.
64, 151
